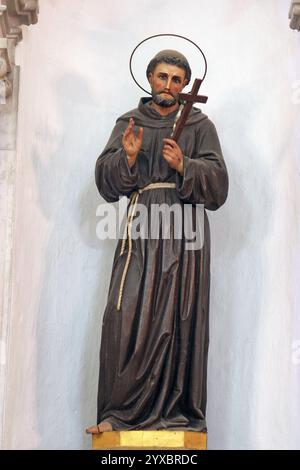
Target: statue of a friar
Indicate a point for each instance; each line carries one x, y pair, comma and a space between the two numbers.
155, 335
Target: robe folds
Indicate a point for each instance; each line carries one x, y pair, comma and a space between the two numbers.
153, 354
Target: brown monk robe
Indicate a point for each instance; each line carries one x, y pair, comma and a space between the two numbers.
153, 356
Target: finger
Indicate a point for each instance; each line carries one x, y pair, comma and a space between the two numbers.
140, 133
169, 147
171, 152
129, 128
170, 162
166, 157
168, 151
126, 132
170, 142
130, 125
172, 147
126, 139
92, 430
169, 156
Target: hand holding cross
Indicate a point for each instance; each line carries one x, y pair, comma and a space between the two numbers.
171, 151
189, 99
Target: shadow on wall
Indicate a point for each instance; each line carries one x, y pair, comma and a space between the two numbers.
238, 234
76, 268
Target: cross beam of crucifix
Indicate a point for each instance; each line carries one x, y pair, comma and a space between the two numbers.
189, 99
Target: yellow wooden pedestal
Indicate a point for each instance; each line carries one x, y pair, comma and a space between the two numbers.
150, 440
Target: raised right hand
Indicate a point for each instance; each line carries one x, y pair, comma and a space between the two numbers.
131, 142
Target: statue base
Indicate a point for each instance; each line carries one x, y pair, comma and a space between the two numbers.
150, 440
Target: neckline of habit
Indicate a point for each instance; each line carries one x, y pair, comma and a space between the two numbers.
145, 105
147, 116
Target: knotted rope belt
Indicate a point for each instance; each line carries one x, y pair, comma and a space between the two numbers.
127, 232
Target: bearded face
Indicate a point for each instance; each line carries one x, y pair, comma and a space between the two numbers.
167, 81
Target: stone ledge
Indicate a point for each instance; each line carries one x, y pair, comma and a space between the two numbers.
150, 440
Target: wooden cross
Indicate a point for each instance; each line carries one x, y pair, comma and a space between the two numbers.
189, 99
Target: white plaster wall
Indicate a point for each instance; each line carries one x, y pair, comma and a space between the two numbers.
74, 84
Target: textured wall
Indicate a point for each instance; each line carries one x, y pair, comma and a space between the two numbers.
74, 83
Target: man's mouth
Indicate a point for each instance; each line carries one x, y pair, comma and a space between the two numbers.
164, 99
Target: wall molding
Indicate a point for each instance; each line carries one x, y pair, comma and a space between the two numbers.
294, 15
13, 15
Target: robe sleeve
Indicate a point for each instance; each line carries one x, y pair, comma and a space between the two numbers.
114, 178
205, 178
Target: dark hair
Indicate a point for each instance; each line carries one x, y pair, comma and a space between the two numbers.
183, 64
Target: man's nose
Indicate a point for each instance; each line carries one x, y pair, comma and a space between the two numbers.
169, 83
